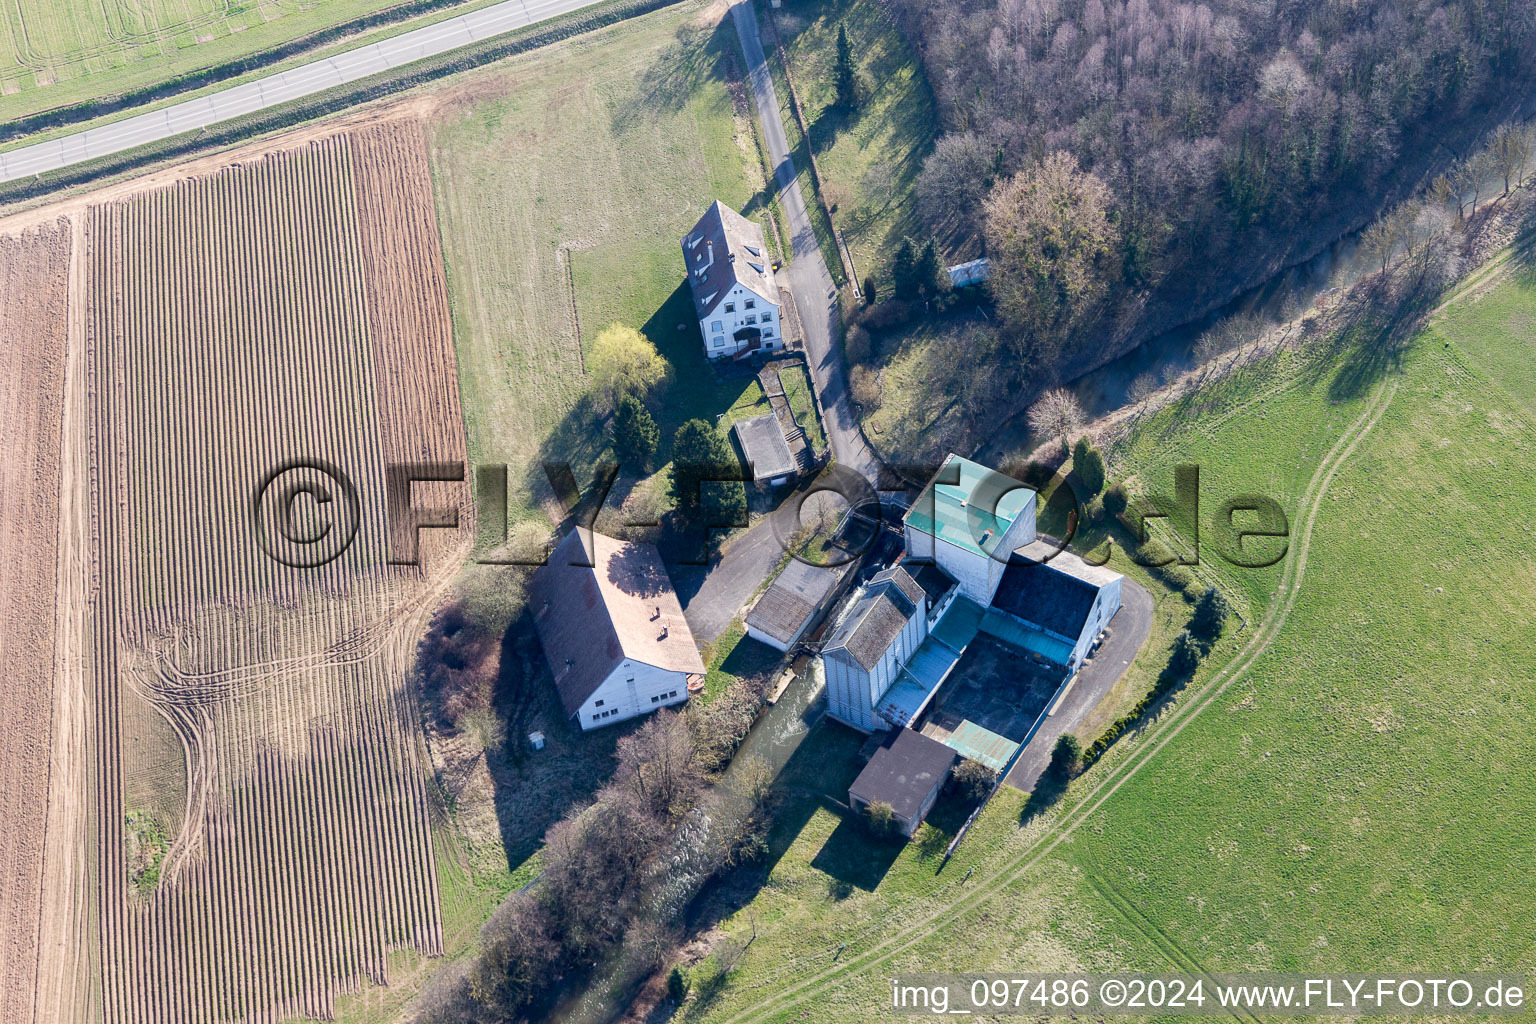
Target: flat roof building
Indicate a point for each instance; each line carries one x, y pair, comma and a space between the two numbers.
907, 772
765, 449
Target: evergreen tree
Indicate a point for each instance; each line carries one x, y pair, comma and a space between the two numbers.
869, 290
706, 475
932, 278
635, 435
1066, 758
1186, 656
1210, 616
846, 74
904, 271
1089, 466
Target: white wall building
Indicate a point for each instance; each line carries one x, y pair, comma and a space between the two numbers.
612, 629
968, 520
731, 277
870, 646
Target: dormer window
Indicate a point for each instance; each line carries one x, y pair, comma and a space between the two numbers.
755, 266
751, 250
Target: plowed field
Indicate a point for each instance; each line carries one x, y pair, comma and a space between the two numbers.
33, 318
252, 803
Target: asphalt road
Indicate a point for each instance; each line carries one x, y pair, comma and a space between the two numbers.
283, 87
1127, 632
809, 278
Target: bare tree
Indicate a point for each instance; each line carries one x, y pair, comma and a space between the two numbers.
658, 762
1481, 166
1141, 389
1511, 151
1056, 414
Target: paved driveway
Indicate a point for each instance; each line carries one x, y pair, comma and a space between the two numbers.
809, 279
1127, 632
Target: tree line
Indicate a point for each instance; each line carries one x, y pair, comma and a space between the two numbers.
606, 888
1107, 149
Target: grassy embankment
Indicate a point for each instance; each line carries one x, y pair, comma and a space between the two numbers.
1356, 798
563, 191
868, 158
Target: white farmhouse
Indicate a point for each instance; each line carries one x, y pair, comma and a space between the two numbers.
968, 521
612, 629
731, 277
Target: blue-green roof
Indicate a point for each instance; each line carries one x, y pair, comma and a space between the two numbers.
983, 745
968, 505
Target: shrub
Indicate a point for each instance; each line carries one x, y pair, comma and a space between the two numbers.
1211, 611
1187, 652
973, 780
1089, 465
880, 820
1066, 758
856, 343
864, 387
890, 313
1115, 500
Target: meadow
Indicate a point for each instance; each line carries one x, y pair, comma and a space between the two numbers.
564, 185
1343, 786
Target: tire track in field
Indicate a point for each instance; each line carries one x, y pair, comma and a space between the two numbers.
1161, 733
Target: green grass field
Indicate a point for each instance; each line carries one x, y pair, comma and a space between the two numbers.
1354, 795
563, 191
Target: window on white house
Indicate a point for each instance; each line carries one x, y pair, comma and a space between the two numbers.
751, 303
767, 315
597, 704
767, 332
752, 319
717, 326
730, 307
718, 342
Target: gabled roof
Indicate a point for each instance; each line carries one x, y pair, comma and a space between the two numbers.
905, 769
968, 505
877, 617
722, 250
1056, 595
762, 442
783, 609
599, 601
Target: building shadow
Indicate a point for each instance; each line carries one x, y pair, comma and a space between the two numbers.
855, 858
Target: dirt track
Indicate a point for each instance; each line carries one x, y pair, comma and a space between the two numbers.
33, 304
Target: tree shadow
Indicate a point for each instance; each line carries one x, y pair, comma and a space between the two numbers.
695, 55
638, 572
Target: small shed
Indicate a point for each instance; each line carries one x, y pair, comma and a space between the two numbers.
766, 451
907, 772
792, 604
971, 272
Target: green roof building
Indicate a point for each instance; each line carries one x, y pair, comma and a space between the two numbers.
969, 519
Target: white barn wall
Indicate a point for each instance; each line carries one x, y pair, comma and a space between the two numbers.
632, 699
